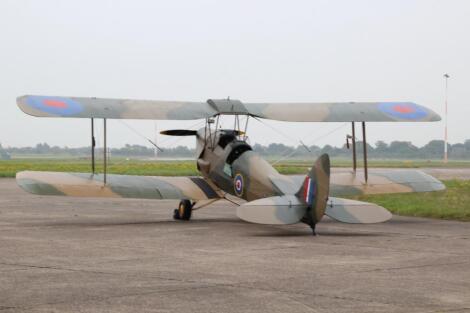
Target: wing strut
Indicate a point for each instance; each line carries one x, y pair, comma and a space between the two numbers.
364, 144
93, 144
353, 139
104, 151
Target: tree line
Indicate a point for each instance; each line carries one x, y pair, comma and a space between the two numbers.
381, 150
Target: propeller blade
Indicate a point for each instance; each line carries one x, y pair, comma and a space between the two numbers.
179, 132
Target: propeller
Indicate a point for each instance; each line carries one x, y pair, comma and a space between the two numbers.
188, 132
179, 132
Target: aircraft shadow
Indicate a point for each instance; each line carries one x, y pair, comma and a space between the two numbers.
299, 232
412, 220
268, 231
134, 223
308, 233
349, 234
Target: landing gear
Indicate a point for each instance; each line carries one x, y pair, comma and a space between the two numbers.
183, 212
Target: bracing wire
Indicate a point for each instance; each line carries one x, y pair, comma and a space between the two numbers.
278, 131
294, 139
163, 141
311, 142
135, 131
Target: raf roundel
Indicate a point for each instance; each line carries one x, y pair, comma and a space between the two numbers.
238, 184
403, 110
55, 105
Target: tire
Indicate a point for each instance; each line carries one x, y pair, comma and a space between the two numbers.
184, 210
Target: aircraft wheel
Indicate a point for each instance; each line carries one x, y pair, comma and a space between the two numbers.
183, 212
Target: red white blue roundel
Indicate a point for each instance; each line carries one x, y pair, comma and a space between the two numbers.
54, 105
238, 184
403, 110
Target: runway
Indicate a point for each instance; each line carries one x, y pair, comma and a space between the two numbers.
61, 254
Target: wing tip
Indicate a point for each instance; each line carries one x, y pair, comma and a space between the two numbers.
27, 181
433, 116
22, 103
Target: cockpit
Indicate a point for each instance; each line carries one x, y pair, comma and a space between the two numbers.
238, 147
226, 138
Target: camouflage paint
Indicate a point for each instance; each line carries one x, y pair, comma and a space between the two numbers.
186, 110
247, 176
117, 186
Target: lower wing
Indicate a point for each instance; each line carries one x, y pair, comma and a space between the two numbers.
117, 186
379, 182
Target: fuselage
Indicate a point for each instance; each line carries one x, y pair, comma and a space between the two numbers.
232, 165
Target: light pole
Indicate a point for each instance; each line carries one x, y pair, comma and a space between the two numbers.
446, 77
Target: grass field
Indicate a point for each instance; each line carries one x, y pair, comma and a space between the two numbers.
453, 203
9, 168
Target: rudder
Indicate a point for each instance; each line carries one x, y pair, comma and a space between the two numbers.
315, 189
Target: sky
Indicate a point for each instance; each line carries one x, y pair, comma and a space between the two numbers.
254, 51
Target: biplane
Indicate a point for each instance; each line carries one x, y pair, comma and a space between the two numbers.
229, 167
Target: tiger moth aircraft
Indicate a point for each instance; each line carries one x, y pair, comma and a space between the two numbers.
229, 168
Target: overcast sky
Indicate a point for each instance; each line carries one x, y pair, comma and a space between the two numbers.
248, 50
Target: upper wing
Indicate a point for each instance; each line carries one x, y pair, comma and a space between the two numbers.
117, 186
51, 106
344, 112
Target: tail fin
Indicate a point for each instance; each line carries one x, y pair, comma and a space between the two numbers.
314, 191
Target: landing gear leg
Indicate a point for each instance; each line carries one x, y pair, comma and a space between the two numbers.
184, 210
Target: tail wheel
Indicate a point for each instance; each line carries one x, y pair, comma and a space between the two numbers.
184, 210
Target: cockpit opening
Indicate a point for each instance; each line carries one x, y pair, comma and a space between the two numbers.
238, 148
225, 139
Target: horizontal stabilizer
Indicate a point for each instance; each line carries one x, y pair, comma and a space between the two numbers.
273, 210
356, 212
